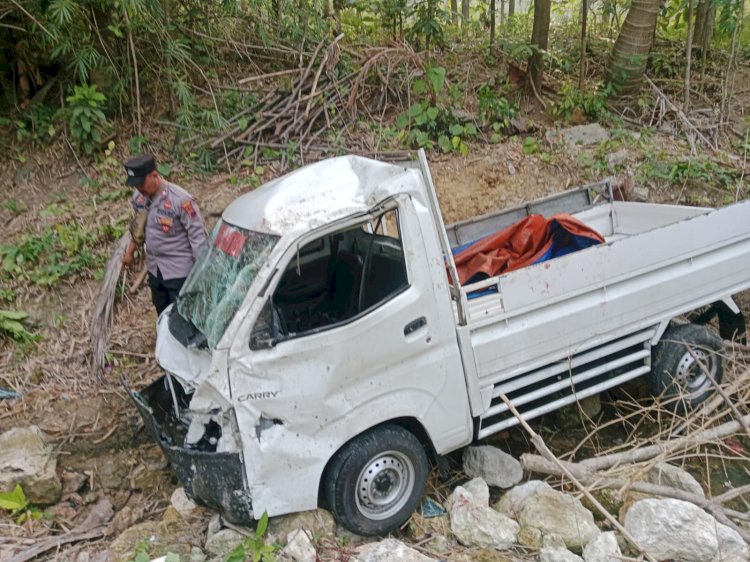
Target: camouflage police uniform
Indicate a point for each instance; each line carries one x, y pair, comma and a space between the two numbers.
174, 237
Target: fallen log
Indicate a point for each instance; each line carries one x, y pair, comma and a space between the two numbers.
672, 446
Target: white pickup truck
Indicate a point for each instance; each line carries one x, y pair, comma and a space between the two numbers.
319, 353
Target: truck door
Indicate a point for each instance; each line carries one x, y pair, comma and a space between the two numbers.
353, 334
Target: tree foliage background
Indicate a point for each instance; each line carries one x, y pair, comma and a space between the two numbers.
92, 67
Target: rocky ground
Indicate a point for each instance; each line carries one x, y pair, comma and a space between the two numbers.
102, 491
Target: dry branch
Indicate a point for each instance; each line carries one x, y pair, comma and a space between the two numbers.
666, 447
101, 319
686, 123
93, 527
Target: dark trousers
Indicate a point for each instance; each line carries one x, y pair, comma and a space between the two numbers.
164, 291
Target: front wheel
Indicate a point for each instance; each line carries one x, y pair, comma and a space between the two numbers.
376, 480
687, 362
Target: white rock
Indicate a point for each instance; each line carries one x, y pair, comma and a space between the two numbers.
389, 550
223, 542
732, 548
479, 489
299, 547
480, 525
319, 522
603, 548
197, 555
675, 529
641, 193
665, 474
496, 467
579, 135
512, 502
214, 526
181, 502
554, 550
28, 460
618, 158
536, 505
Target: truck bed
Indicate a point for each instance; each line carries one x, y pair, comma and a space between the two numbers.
573, 326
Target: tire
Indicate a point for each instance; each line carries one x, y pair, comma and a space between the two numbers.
677, 371
376, 480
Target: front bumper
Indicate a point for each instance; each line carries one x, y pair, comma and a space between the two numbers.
215, 480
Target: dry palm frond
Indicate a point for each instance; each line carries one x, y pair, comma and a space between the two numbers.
101, 319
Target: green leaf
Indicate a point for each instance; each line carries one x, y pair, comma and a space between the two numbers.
172, 557
115, 31
416, 109
242, 123
432, 113
444, 143
237, 555
14, 500
419, 87
470, 129
456, 129
164, 169
436, 76
260, 530
13, 314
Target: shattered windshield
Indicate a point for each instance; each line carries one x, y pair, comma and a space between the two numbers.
221, 277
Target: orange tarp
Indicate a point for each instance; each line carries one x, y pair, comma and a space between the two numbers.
522, 244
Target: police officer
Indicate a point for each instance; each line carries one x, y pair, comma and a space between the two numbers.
167, 219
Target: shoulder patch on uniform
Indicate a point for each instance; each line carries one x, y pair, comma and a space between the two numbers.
189, 209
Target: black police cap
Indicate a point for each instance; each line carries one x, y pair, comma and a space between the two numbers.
138, 168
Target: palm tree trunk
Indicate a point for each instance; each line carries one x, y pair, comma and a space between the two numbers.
630, 53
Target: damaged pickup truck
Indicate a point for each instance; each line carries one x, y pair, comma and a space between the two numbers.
328, 343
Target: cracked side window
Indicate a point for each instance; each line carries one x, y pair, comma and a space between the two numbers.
221, 278
341, 276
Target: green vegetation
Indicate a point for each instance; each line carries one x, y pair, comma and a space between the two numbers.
254, 547
56, 252
16, 503
430, 122
86, 119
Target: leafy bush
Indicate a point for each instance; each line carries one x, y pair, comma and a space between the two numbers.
85, 117
56, 252
429, 123
11, 325
495, 111
593, 104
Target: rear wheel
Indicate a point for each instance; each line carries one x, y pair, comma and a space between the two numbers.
375, 481
685, 361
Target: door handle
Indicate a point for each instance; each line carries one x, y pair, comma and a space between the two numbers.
415, 325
